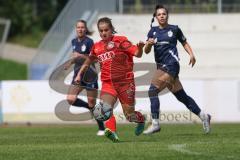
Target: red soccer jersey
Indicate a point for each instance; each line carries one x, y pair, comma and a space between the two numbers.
115, 58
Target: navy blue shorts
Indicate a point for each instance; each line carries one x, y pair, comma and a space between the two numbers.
172, 69
86, 85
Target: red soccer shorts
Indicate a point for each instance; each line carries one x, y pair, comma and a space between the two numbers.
124, 91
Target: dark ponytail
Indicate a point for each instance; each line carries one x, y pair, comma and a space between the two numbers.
154, 15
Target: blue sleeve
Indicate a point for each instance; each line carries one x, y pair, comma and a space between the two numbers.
150, 34
89, 46
180, 36
73, 45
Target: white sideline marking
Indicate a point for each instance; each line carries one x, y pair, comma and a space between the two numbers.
182, 148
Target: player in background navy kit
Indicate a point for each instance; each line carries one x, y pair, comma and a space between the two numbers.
82, 45
164, 39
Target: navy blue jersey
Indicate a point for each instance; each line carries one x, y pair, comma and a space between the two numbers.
82, 47
165, 50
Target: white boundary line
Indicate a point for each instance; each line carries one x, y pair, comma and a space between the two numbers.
183, 149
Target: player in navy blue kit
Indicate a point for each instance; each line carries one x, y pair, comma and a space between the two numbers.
82, 45
164, 39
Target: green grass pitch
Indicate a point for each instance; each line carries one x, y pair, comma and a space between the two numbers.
79, 142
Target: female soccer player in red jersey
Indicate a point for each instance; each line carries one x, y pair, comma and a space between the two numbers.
115, 55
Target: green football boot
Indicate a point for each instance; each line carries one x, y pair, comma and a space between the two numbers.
139, 128
111, 135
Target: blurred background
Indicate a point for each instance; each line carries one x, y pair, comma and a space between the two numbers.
36, 38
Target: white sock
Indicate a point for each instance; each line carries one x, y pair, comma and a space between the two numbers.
202, 115
155, 121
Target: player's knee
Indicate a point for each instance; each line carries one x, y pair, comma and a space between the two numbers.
91, 102
71, 100
153, 91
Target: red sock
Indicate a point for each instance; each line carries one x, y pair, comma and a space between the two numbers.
136, 117
140, 118
111, 123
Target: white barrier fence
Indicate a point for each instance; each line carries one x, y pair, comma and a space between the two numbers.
35, 102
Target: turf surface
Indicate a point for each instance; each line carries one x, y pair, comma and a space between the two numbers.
175, 141
10, 70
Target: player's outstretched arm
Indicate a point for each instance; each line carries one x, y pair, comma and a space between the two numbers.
148, 45
188, 49
139, 51
75, 56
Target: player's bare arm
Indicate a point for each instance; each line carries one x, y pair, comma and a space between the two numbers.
75, 56
188, 49
139, 52
148, 45
84, 67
